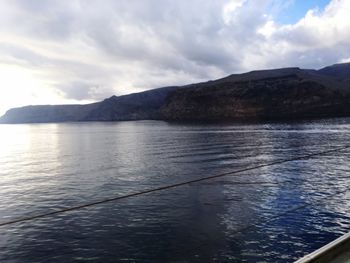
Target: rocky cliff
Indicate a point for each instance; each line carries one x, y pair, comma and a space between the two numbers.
269, 94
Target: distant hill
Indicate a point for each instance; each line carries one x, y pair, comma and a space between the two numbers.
143, 105
48, 113
286, 93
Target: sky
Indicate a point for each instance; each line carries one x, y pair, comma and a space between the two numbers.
81, 51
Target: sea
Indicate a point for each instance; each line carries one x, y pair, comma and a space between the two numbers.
271, 192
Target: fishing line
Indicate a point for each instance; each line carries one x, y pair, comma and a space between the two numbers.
165, 187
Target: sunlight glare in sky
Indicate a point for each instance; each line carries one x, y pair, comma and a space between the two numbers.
18, 86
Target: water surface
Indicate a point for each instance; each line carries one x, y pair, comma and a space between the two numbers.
46, 167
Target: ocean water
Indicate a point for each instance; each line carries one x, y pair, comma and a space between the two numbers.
272, 214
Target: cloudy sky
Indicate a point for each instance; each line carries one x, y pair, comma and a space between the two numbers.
79, 51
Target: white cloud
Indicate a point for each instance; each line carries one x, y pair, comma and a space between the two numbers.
344, 60
318, 39
231, 8
320, 29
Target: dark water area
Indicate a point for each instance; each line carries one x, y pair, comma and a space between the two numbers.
239, 218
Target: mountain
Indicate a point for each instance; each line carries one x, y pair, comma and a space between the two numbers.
339, 72
47, 113
143, 105
137, 106
285, 93
268, 94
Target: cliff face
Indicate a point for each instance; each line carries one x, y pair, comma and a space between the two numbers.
286, 93
137, 106
268, 94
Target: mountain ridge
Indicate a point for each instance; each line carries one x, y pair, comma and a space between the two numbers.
284, 93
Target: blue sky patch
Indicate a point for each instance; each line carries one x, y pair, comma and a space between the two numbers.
297, 9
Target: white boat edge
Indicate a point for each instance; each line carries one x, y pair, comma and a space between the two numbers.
328, 252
